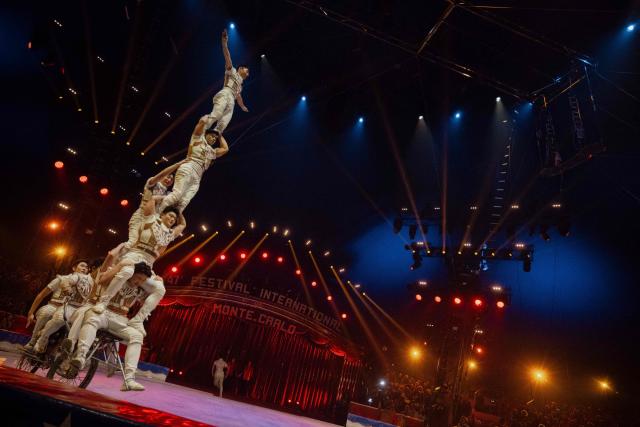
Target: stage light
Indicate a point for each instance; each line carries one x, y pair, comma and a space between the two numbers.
53, 225
515, 206
519, 245
477, 302
298, 272
60, 251
58, 165
308, 242
63, 206
457, 300
197, 260
83, 179
496, 288
631, 27
124, 202
329, 298
341, 270
280, 259
556, 205
420, 117
252, 225
232, 25
357, 285
458, 115
203, 227
479, 350
275, 229
422, 283
500, 304
360, 119
437, 299
265, 255
539, 375
370, 400
498, 99
418, 297
263, 56
303, 98
382, 383
286, 232
104, 191
174, 269
343, 315
243, 255
314, 284
71, 151
472, 365
112, 231
223, 257
229, 224
327, 253
415, 353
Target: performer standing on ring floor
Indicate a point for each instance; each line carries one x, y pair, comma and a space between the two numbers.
218, 370
142, 286
198, 159
154, 235
225, 100
56, 288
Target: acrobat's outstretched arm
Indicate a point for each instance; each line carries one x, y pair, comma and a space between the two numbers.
225, 50
163, 173
223, 149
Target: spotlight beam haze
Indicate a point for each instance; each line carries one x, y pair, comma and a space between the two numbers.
223, 251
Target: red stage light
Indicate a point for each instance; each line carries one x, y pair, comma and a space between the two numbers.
243, 255
457, 301
174, 269
180, 373
83, 179
418, 297
477, 302
314, 284
329, 298
104, 191
58, 164
298, 272
344, 315
124, 202
223, 257
265, 255
197, 260
437, 298
500, 304
479, 350
280, 259
171, 370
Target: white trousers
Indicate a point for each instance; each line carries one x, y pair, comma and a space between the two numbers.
223, 104
43, 315
185, 187
218, 381
117, 325
56, 322
134, 224
77, 319
124, 274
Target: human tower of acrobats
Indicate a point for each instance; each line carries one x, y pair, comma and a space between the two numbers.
98, 295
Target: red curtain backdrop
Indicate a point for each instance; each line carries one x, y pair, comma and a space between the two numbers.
301, 368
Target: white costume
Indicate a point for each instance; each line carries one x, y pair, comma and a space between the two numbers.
159, 189
189, 174
225, 100
218, 373
44, 313
153, 236
114, 319
81, 285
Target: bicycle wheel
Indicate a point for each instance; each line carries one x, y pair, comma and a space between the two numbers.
60, 372
26, 363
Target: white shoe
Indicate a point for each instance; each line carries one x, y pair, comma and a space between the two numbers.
98, 308
131, 385
38, 350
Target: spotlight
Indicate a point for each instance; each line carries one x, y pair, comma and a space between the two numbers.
112, 231
479, 350
223, 257
104, 191
275, 228
124, 202
286, 232
437, 299
370, 400
265, 255
263, 56
83, 179
174, 269
420, 117
326, 253
197, 260
203, 227
308, 242
329, 298
631, 27
500, 304
60, 251
477, 302
229, 224
314, 284
58, 165
498, 99
457, 301
341, 270
280, 259
360, 119
53, 225
458, 115
252, 225
303, 98
243, 255
412, 231
232, 25
418, 297
344, 315
382, 383
298, 272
